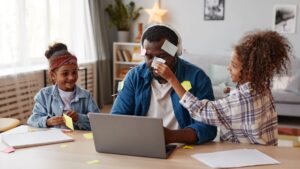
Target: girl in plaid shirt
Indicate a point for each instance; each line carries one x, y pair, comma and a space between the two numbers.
247, 114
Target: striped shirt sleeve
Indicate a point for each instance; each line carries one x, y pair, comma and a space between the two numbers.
215, 113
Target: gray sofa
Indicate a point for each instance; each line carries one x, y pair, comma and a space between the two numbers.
287, 102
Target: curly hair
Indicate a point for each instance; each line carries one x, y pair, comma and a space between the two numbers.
263, 54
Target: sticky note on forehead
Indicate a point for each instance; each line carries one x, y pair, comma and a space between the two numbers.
169, 48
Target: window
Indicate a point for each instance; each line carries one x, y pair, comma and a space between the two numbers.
28, 27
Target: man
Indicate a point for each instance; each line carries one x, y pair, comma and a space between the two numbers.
145, 93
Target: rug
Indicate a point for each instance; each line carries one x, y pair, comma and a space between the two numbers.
288, 137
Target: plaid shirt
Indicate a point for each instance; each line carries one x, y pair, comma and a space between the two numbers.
243, 116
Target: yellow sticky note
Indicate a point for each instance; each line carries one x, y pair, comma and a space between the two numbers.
92, 162
186, 85
88, 136
63, 146
187, 147
68, 121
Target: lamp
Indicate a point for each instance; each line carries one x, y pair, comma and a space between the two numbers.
156, 13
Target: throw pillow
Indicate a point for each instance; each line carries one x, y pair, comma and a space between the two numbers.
294, 83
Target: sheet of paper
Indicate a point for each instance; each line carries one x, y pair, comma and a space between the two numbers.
186, 85
20, 140
235, 158
157, 60
68, 121
169, 48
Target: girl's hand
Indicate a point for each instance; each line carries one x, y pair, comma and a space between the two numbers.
165, 72
226, 90
53, 121
73, 115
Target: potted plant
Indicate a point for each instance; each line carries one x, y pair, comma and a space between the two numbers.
121, 16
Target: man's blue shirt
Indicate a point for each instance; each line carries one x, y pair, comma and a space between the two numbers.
135, 96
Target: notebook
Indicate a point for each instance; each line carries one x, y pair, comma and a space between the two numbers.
37, 138
129, 135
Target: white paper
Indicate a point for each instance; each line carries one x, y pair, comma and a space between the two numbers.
169, 48
235, 158
20, 140
156, 60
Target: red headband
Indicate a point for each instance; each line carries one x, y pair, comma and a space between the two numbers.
62, 60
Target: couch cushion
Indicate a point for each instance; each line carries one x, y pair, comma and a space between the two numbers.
294, 83
203, 61
218, 90
285, 96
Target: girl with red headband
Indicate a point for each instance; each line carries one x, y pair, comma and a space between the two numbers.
64, 96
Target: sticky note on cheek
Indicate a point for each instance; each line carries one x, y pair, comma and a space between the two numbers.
186, 85
68, 121
169, 48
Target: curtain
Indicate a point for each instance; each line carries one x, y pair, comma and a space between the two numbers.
29, 26
103, 43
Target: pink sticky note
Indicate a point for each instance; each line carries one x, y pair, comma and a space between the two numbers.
9, 150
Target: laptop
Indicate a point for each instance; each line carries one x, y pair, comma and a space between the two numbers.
129, 135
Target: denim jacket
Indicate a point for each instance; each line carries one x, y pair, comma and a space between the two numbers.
48, 104
134, 98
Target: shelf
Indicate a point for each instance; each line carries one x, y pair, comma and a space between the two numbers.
123, 54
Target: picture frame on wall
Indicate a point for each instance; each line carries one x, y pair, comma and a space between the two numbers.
214, 9
285, 18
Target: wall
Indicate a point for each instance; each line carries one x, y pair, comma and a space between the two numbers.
217, 37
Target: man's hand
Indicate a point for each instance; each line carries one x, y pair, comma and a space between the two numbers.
168, 135
73, 115
53, 121
186, 135
165, 72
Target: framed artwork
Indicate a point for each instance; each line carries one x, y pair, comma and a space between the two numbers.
285, 18
214, 9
